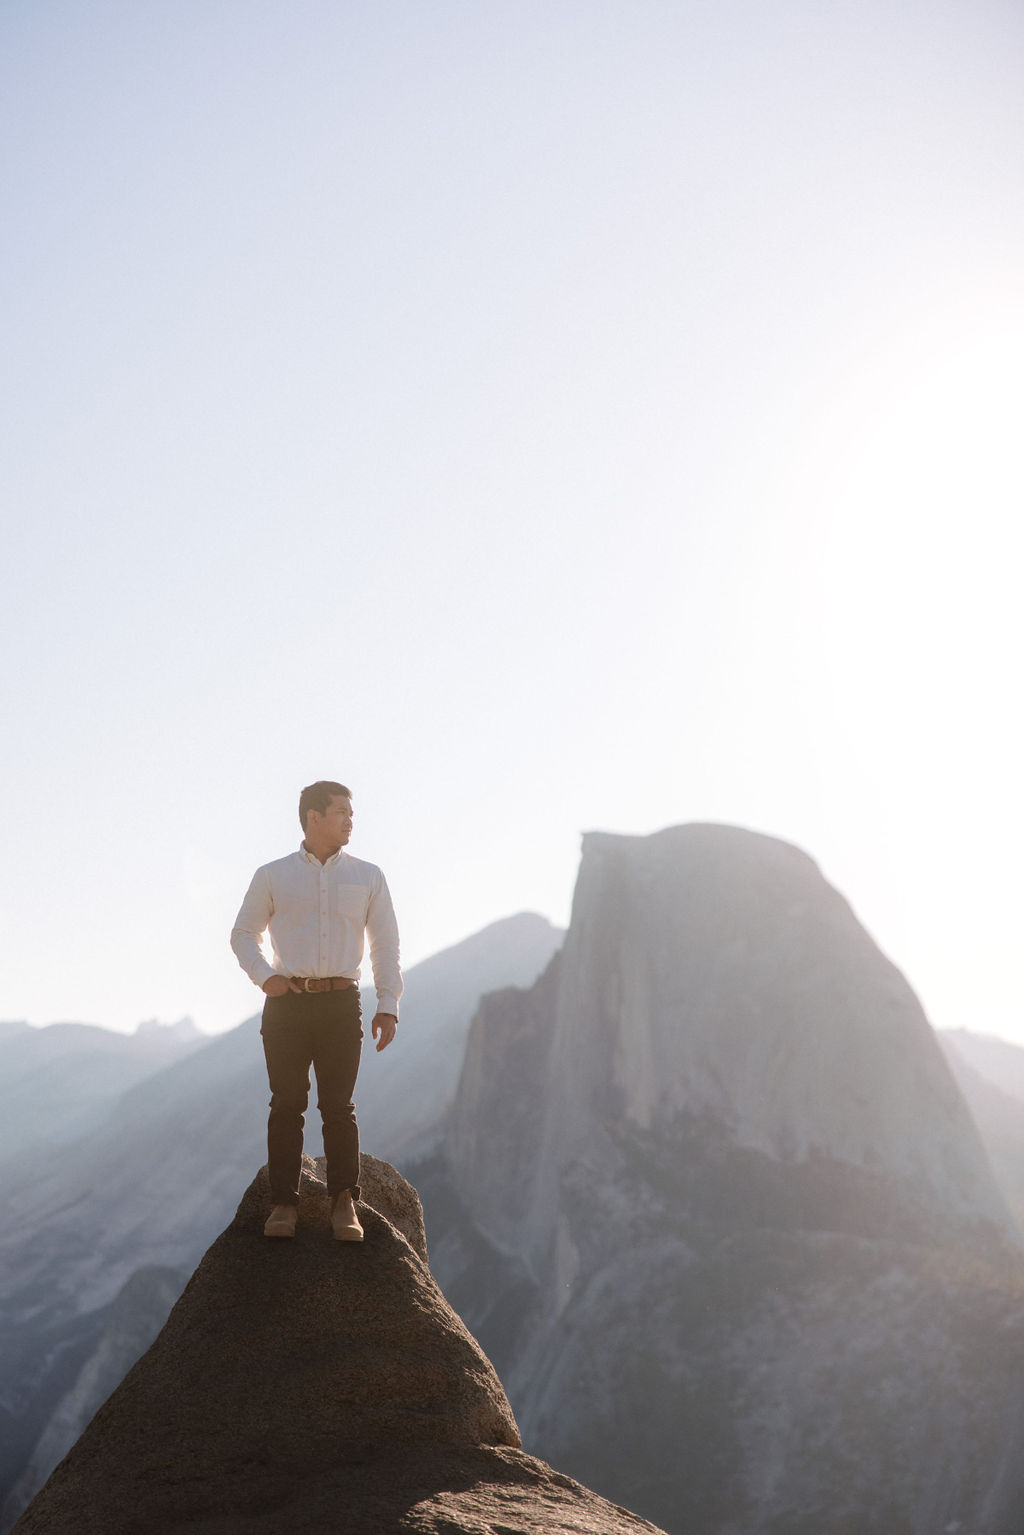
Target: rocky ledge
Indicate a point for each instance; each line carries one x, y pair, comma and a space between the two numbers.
308, 1387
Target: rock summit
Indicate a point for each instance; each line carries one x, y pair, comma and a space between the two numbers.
310, 1387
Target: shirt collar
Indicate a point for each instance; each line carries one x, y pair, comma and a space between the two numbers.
312, 858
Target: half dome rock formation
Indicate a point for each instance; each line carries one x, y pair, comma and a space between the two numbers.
754, 1274
309, 1387
713, 983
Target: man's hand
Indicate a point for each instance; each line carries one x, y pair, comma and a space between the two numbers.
385, 1025
278, 985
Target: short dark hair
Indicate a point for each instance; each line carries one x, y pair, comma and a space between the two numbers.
317, 796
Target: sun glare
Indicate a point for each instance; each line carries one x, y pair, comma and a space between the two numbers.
920, 526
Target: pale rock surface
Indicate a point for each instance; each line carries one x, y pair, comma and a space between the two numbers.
310, 1387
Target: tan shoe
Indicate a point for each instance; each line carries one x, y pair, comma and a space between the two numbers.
281, 1221
344, 1220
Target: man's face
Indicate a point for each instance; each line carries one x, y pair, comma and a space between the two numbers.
335, 825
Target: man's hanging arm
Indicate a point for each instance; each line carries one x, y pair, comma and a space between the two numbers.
382, 931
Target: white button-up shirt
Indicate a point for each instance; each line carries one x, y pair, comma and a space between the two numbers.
317, 915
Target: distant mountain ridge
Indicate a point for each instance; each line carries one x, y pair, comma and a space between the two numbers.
59, 1082
998, 1060
990, 1074
403, 1100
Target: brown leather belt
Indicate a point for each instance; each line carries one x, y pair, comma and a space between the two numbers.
324, 982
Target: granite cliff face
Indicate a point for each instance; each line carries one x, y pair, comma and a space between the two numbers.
715, 1206
310, 1387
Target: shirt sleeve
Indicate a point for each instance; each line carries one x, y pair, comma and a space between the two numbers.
250, 925
382, 931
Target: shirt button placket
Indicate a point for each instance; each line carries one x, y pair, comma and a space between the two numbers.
323, 923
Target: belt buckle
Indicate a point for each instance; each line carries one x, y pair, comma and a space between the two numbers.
305, 983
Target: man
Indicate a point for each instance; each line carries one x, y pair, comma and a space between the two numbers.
317, 904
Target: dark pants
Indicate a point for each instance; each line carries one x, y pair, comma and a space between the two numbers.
323, 1030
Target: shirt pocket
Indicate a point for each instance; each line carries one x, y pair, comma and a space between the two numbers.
351, 903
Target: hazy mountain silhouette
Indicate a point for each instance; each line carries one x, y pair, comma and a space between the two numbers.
990, 1074
996, 1060
59, 1082
308, 1386
405, 1093
712, 1201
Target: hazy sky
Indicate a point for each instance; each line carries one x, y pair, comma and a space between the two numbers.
542, 415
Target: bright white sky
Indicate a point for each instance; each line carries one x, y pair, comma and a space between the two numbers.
542, 415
